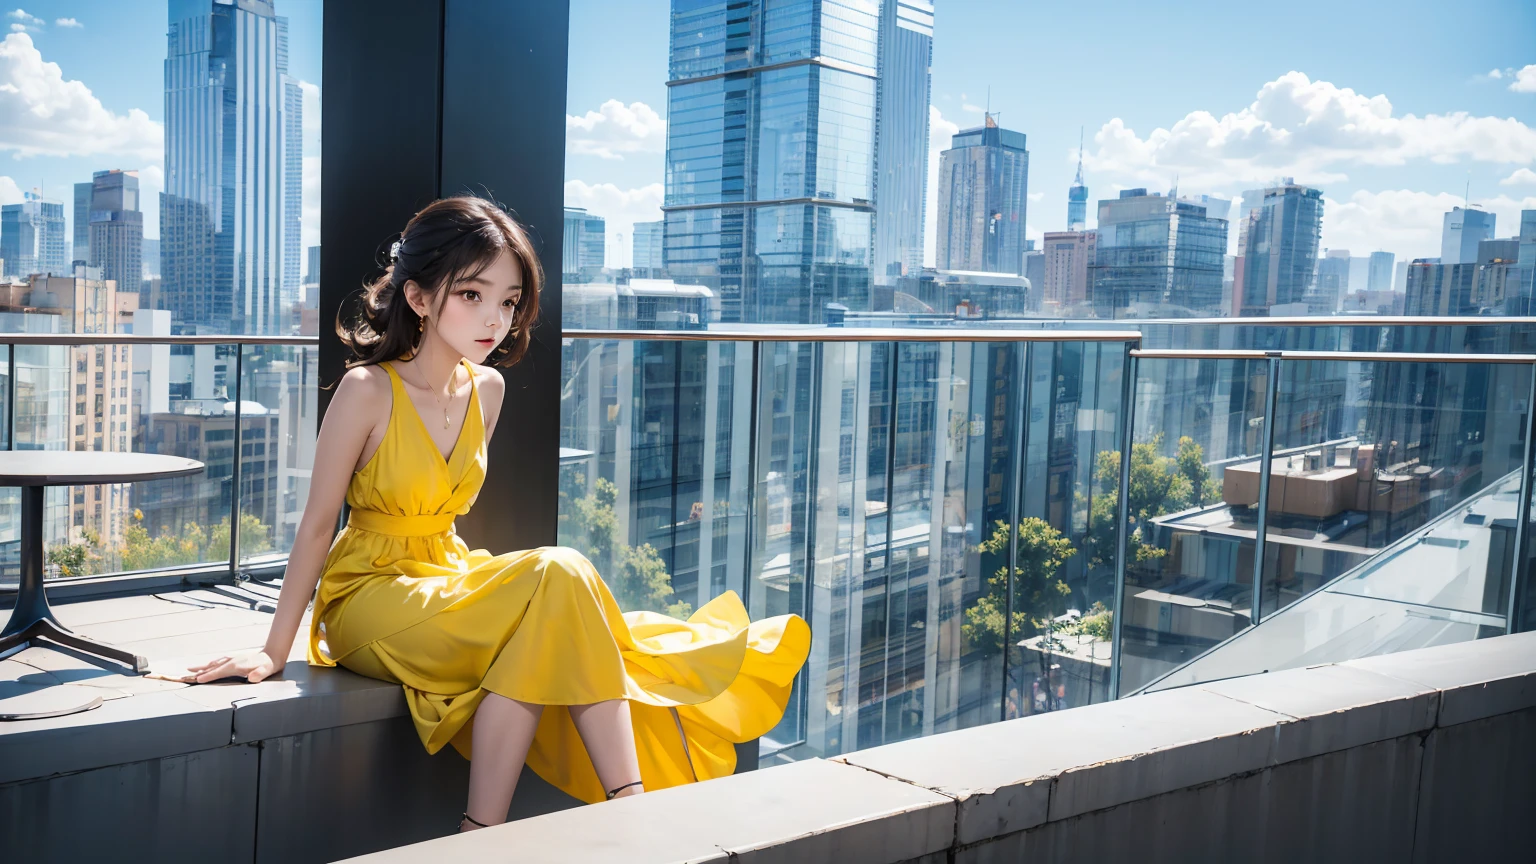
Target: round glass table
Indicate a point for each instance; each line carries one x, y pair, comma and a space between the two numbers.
32, 621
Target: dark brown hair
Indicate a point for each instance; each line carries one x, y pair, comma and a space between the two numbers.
449, 240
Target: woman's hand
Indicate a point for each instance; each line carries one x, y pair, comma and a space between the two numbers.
253, 667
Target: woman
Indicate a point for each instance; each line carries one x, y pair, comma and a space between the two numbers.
514, 657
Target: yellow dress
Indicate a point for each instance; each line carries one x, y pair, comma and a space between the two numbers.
401, 598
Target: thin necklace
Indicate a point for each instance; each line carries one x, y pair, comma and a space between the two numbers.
453, 378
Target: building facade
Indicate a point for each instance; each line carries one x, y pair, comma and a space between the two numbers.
1069, 257
1279, 248
983, 200
1156, 256
647, 260
1464, 228
32, 237
114, 227
584, 243
222, 214
779, 234
902, 95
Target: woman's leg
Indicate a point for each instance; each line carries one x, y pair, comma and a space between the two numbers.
503, 733
609, 736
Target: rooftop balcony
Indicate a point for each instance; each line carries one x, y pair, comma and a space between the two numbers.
898, 488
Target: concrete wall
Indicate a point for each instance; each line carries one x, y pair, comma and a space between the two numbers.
1421, 756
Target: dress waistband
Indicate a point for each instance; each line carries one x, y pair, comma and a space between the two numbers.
400, 526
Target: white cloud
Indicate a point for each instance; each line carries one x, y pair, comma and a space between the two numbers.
1521, 176
972, 109
940, 131
68, 22
1496, 74
10, 193
25, 18
41, 113
1404, 222
621, 208
1525, 80
616, 129
18, 28
1311, 130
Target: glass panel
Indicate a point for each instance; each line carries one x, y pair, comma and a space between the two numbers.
1420, 459
1194, 491
277, 449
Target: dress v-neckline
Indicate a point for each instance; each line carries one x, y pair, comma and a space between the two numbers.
421, 425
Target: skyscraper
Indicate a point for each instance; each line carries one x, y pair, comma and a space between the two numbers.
780, 241
114, 227
584, 245
646, 262
983, 195
902, 93
293, 171
32, 236
1155, 252
222, 212
1380, 277
1068, 255
1077, 196
1280, 247
1331, 285
1464, 229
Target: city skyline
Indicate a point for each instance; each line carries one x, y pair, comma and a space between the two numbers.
83, 104
1392, 145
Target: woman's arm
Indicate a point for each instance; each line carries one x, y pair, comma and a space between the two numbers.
350, 420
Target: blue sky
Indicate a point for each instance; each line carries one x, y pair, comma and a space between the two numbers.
1388, 107
89, 95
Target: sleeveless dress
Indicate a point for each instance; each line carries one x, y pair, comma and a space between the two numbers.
401, 598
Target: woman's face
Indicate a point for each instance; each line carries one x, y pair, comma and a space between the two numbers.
476, 313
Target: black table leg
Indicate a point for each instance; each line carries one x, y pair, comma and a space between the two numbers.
32, 620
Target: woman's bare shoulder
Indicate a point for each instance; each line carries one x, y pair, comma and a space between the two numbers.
489, 378
364, 384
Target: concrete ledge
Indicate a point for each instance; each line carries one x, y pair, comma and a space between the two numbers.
1391, 758
806, 811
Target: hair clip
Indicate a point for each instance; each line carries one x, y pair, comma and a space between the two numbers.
394, 249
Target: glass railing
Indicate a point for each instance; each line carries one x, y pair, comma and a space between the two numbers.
904, 491
244, 406
1379, 513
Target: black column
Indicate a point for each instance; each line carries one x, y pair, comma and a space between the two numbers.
504, 71
426, 98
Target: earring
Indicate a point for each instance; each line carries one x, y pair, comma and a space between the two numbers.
421, 323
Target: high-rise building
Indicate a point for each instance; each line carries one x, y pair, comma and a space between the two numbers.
983, 195
584, 245
1068, 257
32, 237
1526, 258
1077, 195
1380, 276
1400, 276
646, 261
1464, 229
1331, 283
222, 214
293, 171
902, 94
769, 177
1500, 282
114, 227
1437, 288
1156, 255
1280, 247
81, 245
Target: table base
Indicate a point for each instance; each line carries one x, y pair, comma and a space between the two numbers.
52, 631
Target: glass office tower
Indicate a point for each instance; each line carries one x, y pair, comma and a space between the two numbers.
1157, 256
983, 200
1279, 249
769, 174
902, 95
222, 214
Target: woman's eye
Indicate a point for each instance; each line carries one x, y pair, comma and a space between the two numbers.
471, 295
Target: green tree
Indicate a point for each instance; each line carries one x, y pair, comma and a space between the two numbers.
637, 575
1038, 593
1159, 485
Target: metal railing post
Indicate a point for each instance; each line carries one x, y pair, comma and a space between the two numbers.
1520, 572
1266, 458
753, 440
1122, 512
10, 396
234, 489
1015, 507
